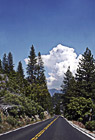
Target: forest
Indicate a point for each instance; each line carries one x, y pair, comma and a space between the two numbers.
79, 89
21, 98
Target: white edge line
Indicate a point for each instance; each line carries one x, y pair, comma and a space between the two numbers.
22, 127
92, 137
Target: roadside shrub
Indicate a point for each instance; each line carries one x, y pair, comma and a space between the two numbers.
78, 108
12, 121
20, 123
90, 125
80, 119
41, 116
13, 112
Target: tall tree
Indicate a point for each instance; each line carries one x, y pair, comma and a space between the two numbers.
43, 96
5, 64
40, 70
1, 66
10, 62
32, 66
68, 88
85, 75
68, 82
20, 70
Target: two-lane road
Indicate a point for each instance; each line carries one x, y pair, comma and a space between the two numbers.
53, 129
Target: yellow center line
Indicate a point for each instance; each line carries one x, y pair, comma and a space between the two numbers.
42, 131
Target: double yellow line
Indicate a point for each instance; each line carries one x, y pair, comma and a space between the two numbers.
42, 131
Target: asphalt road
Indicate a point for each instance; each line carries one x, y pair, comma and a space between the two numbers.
52, 129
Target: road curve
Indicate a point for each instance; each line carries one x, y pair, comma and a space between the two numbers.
52, 129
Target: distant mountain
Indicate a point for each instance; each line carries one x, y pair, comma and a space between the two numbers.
53, 90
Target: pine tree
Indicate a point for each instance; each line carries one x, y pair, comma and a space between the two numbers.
85, 75
44, 97
68, 87
20, 70
32, 66
10, 62
40, 71
68, 82
5, 64
57, 109
1, 66
37, 90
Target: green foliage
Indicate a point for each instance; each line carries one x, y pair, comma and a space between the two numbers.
69, 86
32, 66
80, 119
1, 70
20, 71
41, 115
12, 121
5, 64
40, 109
90, 125
56, 98
67, 81
40, 71
10, 62
79, 108
23, 105
57, 109
39, 94
79, 97
24, 96
16, 83
85, 76
2, 93
14, 111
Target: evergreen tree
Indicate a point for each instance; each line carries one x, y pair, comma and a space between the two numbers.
1, 66
20, 70
40, 71
10, 62
5, 64
32, 66
37, 90
67, 81
85, 75
68, 88
57, 109
69, 84
43, 96
78, 96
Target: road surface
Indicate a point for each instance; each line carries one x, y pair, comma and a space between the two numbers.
56, 128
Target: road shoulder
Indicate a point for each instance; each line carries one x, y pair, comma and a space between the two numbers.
84, 131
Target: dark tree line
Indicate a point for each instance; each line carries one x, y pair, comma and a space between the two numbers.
33, 86
36, 77
79, 97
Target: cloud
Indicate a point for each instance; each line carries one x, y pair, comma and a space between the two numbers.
57, 62
26, 60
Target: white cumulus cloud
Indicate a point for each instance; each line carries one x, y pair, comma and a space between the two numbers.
57, 62
26, 60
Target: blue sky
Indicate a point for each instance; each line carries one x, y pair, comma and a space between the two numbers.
45, 24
